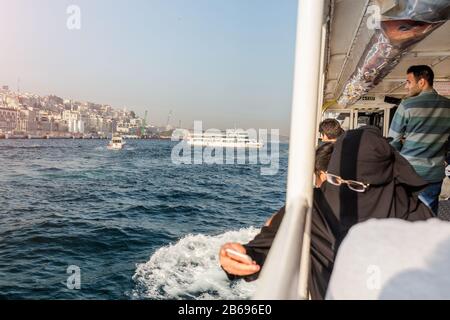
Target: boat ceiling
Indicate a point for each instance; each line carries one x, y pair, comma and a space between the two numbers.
349, 37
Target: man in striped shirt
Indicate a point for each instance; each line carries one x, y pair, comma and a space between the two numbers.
420, 129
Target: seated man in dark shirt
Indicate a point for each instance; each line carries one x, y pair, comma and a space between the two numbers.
330, 130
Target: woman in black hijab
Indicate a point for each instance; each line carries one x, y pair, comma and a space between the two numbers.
366, 179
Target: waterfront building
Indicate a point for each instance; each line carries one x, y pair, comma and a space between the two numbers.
26, 120
8, 119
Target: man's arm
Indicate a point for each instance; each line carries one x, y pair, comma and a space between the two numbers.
398, 127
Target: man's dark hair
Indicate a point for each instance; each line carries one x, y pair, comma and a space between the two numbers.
331, 128
422, 72
323, 157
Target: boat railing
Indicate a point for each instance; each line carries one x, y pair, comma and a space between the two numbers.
286, 269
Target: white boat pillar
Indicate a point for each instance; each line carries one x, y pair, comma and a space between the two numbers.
284, 272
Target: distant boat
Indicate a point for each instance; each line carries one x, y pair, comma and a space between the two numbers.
116, 143
131, 136
231, 139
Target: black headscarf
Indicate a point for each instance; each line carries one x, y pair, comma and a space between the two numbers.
365, 156
362, 155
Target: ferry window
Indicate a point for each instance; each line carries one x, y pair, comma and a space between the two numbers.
344, 119
363, 121
371, 119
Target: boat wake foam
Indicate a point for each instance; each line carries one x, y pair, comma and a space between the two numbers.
190, 269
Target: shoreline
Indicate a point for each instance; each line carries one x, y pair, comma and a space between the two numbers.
28, 137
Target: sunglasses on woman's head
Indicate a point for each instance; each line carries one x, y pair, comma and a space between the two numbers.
352, 185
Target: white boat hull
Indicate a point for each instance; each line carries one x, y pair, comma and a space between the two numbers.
256, 145
115, 147
116, 144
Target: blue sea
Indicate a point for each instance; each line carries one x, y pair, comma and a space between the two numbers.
135, 225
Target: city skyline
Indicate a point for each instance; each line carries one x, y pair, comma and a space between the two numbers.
31, 115
225, 63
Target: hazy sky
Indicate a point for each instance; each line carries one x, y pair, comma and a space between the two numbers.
225, 62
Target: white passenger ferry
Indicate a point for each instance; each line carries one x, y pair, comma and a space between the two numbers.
230, 139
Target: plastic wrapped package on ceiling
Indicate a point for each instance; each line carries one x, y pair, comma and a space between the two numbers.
390, 43
420, 10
